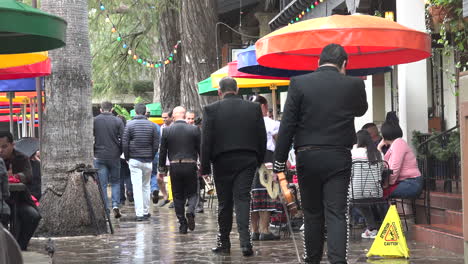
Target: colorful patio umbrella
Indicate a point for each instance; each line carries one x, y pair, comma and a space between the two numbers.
27, 71
27, 29
370, 42
15, 60
247, 63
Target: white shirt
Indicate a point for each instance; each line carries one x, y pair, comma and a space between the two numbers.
272, 128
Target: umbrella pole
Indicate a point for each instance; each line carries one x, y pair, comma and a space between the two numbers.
10, 97
273, 100
39, 106
33, 118
19, 125
25, 122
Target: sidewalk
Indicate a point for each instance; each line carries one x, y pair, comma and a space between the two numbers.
158, 241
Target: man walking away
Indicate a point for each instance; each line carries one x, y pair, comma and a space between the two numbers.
108, 131
319, 115
140, 144
234, 140
181, 143
167, 118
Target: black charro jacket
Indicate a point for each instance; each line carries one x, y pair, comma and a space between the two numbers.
180, 141
320, 111
230, 125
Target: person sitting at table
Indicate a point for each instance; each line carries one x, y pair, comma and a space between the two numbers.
4, 194
405, 181
19, 167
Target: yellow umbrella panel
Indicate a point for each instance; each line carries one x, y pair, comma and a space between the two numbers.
16, 60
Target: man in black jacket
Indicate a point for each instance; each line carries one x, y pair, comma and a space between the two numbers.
234, 140
181, 144
140, 144
108, 131
319, 115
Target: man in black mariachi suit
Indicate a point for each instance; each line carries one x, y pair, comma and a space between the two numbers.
319, 115
181, 143
234, 141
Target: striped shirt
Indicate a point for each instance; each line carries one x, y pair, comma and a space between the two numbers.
365, 177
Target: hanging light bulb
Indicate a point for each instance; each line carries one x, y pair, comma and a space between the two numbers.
107, 20
102, 7
129, 51
119, 38
113, 30
125, 46
135, 57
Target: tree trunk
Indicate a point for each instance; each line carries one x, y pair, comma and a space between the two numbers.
168, 77
197, 23
67, 132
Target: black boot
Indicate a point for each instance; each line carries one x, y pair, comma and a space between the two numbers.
190, 221
223, 245
309, 260
183, 225
247, 250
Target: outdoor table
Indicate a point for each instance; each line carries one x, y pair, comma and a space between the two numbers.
15, 189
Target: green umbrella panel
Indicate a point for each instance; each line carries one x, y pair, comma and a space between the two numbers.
155, 109
26, 29
205, 88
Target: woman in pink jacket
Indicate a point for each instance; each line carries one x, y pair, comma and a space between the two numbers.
406, 180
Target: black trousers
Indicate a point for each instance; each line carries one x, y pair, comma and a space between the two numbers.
324, 176
28, 220
233, 175
184, 183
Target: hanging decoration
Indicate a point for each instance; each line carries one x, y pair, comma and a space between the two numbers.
301, 15
146, 62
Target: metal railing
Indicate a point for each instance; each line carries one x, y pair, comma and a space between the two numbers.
436, 171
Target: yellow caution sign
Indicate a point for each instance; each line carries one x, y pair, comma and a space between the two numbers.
390, 240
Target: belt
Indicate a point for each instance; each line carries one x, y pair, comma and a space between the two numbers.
183, 161
317, 147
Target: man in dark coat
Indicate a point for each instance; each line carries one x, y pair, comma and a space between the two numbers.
140, 143
181, 144
319, 115
234, 141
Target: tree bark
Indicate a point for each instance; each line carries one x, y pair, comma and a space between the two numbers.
67, 134
197, 23
167, 80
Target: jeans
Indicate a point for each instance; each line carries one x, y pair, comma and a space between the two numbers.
109, 171
409, 188
141, 174
125, 180
233, 175
154, 174
324, 176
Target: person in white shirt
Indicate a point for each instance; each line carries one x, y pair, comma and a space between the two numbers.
262, 206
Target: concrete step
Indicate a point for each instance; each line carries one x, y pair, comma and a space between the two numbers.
442, 236
450, 201
454, 218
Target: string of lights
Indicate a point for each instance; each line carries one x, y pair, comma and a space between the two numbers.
307, 10
149, 63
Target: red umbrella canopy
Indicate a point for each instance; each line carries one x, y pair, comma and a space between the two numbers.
27, 71
370, 42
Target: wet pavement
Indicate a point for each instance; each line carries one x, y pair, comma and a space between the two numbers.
158, 241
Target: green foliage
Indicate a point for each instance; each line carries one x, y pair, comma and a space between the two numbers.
113, 68
122, 111
415, 142
444, 152
141, 87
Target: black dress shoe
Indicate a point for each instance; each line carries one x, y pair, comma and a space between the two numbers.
247, 251
268, 236
190, 221
147, 216
140, 218
255, 236
221, 250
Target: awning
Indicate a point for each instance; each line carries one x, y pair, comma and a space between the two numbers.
17, 85
26, 29
370, 42
155, 109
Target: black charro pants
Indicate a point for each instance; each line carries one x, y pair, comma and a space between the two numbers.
184, 183
324, 176
233, 175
